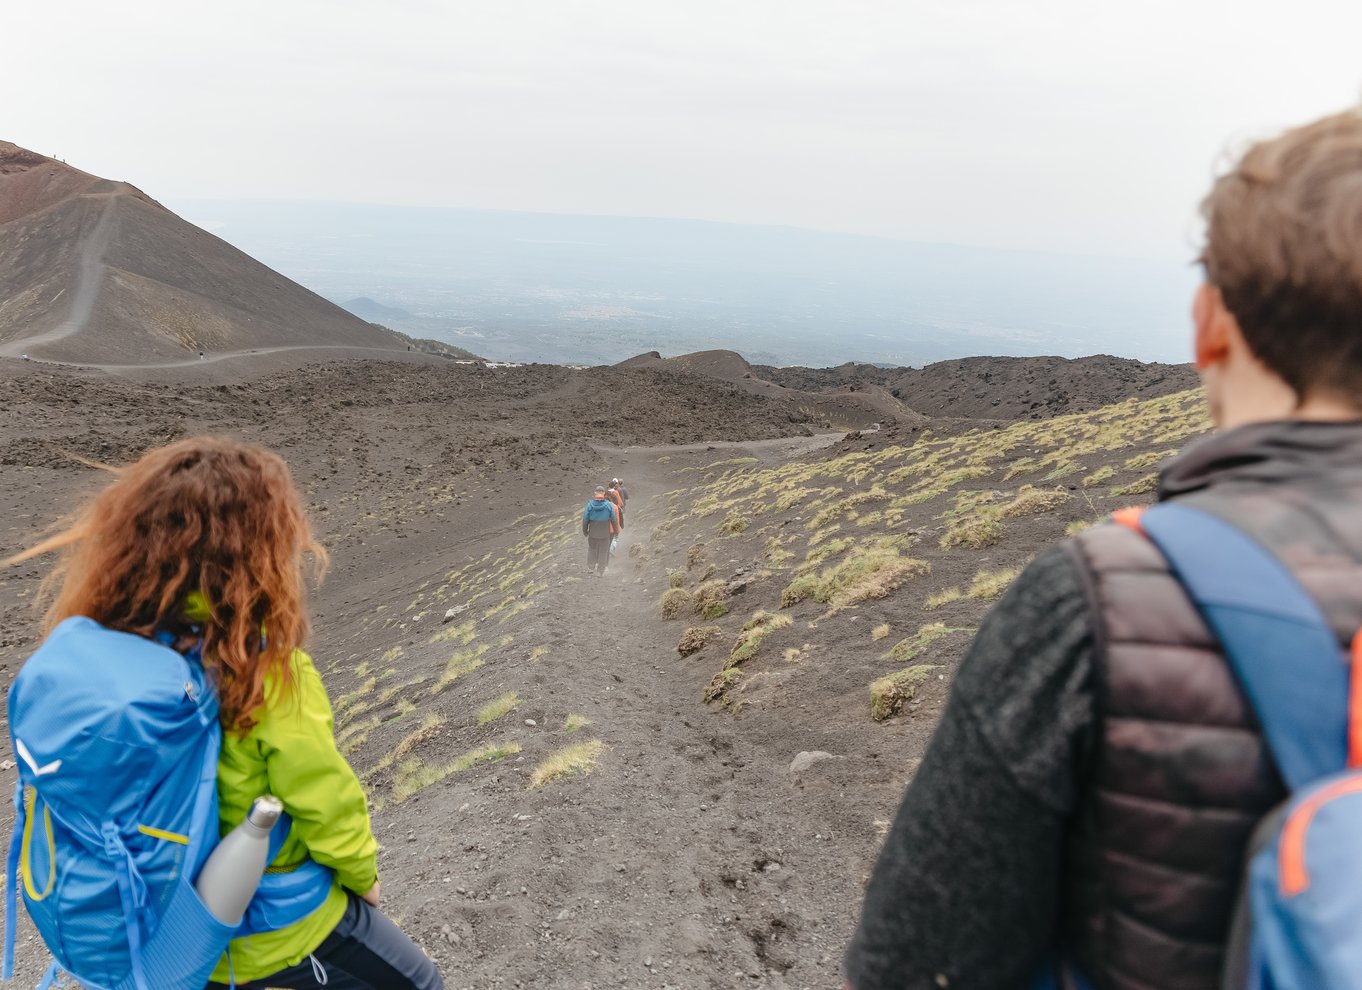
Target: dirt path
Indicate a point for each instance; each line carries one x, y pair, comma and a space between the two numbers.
87, 288
691, 857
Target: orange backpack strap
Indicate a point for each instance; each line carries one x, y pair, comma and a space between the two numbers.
1355, 705
1130, 518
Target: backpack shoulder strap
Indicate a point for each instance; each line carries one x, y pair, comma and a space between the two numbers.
1273, 633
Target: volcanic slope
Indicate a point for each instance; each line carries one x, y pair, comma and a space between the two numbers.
557, 805
1000, 388
97, 272
847, 405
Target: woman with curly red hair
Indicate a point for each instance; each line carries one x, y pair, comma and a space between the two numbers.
206, 541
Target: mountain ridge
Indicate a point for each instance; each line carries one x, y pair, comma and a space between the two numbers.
96, 271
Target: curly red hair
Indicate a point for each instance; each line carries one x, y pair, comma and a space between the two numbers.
209, 515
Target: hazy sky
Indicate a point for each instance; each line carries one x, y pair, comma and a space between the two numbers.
1067, 125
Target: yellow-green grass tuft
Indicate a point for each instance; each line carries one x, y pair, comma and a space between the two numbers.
464, 633
865, 574
576, 760
461, 663
429, 726
943, 597
879, 632
346, 700
977, 530
734, 523
1032, 502
414, 776
498, 707
754, 631
991, 584
575, 722
910, 648
1140, 486
889, 693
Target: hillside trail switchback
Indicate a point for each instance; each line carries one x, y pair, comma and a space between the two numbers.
90, 279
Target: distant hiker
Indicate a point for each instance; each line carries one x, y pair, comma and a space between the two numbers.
624, 492
175, 628
1121, 726
613, 493
200, 355
600, 525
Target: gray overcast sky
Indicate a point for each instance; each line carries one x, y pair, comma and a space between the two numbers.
1068, 125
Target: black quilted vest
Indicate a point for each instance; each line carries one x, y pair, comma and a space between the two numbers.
1179, 775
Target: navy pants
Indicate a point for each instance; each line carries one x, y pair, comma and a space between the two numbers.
365, 951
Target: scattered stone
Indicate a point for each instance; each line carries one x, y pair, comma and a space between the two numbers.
530, 721
453, 612
807, 759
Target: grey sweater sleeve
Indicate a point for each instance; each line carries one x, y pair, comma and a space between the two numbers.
965, 891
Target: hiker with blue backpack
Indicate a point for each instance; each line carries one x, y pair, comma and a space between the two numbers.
600, 526
1149, 772
170, 696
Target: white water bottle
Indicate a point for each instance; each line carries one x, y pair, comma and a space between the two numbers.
229, 879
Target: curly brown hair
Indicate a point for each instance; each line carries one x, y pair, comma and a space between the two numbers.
209, 515
1284, 247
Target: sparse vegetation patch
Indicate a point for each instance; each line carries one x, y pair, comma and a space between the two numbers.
675, 601
579, 759
910, 648
498, 707
889, 693
414, 776
693, 640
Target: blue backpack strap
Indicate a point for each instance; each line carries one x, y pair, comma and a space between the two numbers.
1283, 650
12, 882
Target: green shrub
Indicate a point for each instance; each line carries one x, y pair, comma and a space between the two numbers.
711, 592
799, 589
714, 610
734, 523
674, 600
693, 640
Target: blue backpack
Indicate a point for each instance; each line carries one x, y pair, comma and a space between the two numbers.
1299, 926
117, 739
597, 510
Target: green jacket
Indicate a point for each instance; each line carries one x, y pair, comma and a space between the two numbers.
291, 753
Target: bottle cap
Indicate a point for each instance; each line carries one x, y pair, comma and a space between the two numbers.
265, 811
